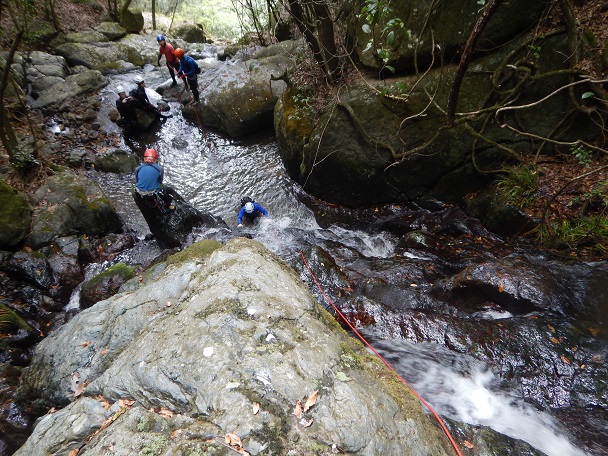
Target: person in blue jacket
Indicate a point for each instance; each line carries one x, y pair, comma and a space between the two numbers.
250, 210
148, 180
188, 70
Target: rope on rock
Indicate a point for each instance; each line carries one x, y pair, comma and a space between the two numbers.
386, 363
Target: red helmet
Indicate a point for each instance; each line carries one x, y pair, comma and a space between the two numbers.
150, 156
179, 53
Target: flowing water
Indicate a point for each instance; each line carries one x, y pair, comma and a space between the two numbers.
213, 173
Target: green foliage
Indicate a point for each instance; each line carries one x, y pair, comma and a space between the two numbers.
518, 185
395, 90
22, 158
587, 230
535, 50
584, 156
383, 28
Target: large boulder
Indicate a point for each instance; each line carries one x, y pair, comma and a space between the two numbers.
241, 99
69, 204
118, 161
15, 217
104, 57
111, 30
447, 25
132, 20
86, 82
387, 141
191, 33
218, 341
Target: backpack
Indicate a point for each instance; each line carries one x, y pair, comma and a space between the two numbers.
245, 200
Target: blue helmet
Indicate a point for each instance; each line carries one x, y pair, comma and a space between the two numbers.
160, 38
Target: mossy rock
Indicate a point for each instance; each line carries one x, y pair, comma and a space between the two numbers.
119, 161
132, 21
199, 249
15, 217
106, 284
10, 321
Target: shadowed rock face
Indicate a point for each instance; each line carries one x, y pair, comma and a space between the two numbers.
211, 333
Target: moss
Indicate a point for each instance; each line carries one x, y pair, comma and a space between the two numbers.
225, 305
196, 251
154, 446
120, 269
272, 437
9, 320
105, 66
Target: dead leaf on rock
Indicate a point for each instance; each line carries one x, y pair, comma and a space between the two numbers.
74, 452
298, 410
104, 402
51, 411
312, 400
256, 408
564, 359
175, 433
594, 331
86, 344
467, 444
125, 403
501, 288
78, 386
233, 440
165, 413
104, 352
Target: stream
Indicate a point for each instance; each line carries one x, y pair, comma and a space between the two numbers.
213, 172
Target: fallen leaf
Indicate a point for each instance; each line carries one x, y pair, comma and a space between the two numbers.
104, 352
233, 440
74, 452
165, 413
51, 411
104, 402
312, 400
298, 410
554, 340
467, 444
564, 359
86, 344
175, 433
78, 386
551, 328
501, 288
256, 408
125, 403
594, 331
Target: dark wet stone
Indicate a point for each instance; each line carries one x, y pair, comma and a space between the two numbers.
172, 228
104, 285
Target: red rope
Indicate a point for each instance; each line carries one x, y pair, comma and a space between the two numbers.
386, 363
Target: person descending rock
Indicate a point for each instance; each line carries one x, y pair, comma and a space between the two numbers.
250, 210
188, 71
138, 94
167, 50
126, 108
148, 182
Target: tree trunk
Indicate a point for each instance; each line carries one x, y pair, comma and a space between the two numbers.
153, 14
313, 18
467, 55
7, 133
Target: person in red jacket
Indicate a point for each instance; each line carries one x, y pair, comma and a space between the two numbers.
167, 50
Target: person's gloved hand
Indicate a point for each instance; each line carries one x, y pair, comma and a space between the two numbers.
240, 225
